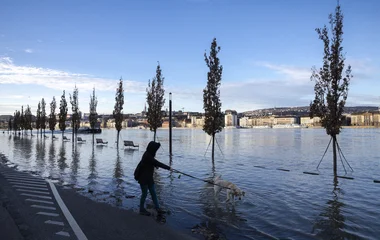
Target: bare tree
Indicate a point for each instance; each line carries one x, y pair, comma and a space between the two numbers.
331, 87
63, 114
211, 95
43, 115
155, 99
52, 116
93, 114
75, 117
28, 119
38, 117
118, 110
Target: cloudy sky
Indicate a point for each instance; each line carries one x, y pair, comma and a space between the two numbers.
268, 49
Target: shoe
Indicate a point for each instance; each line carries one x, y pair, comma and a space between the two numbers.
160, 211
145, 212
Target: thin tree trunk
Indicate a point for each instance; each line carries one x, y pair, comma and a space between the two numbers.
334, 155
117, 141
213, 146
154, 138
93, 138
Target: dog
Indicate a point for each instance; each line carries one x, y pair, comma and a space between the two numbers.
232, 190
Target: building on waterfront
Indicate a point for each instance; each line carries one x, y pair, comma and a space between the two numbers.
197, 121
306, 121
230, 118
365, 119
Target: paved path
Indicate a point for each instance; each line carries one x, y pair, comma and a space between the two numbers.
37, 209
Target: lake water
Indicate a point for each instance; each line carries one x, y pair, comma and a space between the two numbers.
277, 205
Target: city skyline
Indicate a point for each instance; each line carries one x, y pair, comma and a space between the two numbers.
268, 50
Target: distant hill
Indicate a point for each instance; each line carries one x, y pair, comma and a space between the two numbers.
5, 117
301, 111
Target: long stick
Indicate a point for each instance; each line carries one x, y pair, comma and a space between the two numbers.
200, 179
324, 153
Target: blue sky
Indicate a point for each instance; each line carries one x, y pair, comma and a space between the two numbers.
268, 49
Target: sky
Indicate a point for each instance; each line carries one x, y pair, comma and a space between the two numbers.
268, 48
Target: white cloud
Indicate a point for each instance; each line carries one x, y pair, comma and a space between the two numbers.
59, 80
294, 75
28, 50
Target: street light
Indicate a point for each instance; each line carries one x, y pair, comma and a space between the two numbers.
170, 124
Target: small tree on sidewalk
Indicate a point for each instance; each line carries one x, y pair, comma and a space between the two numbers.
331, 88
155, 99
211, 95
52, 117
118, 110
63, 114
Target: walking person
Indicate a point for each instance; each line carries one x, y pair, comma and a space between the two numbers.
144, 175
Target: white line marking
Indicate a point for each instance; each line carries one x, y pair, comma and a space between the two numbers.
48, 214
37, 196
17, 175
28, 183
27, 187
43, 207
62, 233
54, 222
26, 180
32, 191
74, 225
39, 201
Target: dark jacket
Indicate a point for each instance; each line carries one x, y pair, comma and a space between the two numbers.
145, 169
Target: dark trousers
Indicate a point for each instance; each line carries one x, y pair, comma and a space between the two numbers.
144, 193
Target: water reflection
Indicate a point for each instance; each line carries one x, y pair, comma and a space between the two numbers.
93, 173
118, 175
331, 222
62, 159
40, 155
74, 163
52, 159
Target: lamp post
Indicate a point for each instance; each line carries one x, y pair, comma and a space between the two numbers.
170, 124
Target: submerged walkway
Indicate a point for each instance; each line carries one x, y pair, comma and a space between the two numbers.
32, 208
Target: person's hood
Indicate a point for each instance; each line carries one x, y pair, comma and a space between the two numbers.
152, 148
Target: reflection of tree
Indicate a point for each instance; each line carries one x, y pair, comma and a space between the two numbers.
74, 163
92, 167
40, 155
51, 157
118, 175
62, 158
331, 222
26, 149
